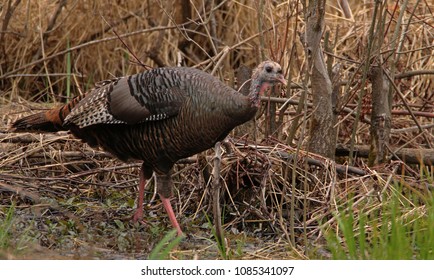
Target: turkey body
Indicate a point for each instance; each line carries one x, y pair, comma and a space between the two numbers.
158, 116
190, 122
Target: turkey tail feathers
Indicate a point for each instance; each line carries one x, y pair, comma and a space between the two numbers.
48, 121
43, 122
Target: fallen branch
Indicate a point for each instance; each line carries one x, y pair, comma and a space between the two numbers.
341, 169
409, 156
24, 194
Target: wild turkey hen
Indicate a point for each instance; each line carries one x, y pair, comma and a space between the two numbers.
158, 116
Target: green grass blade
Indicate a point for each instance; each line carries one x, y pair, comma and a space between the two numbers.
165, 246
5, 227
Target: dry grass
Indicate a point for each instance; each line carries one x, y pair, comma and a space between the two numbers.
75, 202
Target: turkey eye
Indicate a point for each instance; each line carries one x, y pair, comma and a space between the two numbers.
268, 69
279, 71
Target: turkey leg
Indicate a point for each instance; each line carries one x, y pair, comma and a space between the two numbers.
143, 176
171, 214
164, 189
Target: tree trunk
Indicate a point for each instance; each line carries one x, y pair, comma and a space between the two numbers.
380, 117
322, 132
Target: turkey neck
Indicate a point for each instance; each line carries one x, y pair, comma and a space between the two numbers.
245, 107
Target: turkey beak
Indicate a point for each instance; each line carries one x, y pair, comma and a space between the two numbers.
280, 78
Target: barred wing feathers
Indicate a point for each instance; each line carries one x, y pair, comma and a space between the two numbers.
128, 100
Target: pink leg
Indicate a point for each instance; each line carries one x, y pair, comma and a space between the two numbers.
138, 214
171, 214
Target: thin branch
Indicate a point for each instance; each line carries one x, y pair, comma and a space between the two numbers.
414, 73
408, 108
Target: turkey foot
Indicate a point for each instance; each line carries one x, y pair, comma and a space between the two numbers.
171, 214
138, 216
